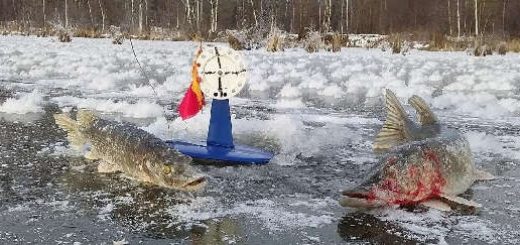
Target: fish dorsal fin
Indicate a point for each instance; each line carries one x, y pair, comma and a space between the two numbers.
85, 118
394, 130
424, 114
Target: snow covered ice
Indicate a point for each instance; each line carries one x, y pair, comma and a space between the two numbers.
317, 112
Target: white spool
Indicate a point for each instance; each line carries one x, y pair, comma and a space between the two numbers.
222, 72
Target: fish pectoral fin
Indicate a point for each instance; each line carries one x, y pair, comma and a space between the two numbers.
424, 113
395, 130
456, 200
436, 204
483, 175
107, 167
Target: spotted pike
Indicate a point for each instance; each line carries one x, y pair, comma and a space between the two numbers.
122, 147
426, 164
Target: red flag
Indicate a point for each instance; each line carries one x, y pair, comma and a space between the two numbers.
193, 100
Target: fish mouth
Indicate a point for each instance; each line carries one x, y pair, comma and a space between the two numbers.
355, 194
358, 199
195, 184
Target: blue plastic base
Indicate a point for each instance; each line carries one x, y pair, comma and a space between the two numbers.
219, 145
237, 155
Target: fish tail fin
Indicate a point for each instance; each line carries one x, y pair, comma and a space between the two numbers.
483, 175
85, 118
424, 113
76, 139
395, 130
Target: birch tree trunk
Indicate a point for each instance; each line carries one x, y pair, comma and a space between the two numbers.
102, 16
449, 18
197, 7
504, 18
66, 14
327, 16
293, 17
177, 22
320, 23
476, 17
254, 12
43, 13
141, 19
131, 28
90, 13
347, 16
342, 15
187, 5
214, 16
458, 18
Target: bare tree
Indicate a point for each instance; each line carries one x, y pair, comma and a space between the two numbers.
458, 18
327, 15
44, 16
347, 13
476, 17
449, 18
504, 17
254, 12
141, 19
90, 13
214, 16
103, 16
66, 14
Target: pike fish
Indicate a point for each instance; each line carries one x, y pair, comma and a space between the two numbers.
122, 147
427, 164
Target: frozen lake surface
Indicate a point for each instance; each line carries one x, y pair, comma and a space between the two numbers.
318, 112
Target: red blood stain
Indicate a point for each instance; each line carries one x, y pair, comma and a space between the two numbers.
416, 183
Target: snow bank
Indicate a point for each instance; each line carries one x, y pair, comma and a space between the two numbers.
452, 81
143, 108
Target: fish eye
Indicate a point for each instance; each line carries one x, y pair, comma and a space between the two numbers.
167, 169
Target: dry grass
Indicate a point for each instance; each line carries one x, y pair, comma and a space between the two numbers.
482, 50
234, 43
275, 41
502, 48
118, 39
64, 36
479, 46
439, 41
334, 41
86, 32
513, 45
396, 43
313, 42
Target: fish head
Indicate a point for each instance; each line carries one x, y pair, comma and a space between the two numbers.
176, 173
360, 197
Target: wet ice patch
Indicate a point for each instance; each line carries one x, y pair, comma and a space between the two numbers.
438, 225
58, 149
488, 146
24, 103
272, 215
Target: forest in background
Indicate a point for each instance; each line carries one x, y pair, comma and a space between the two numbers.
206, 18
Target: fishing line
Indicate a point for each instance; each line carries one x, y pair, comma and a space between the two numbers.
143, 72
